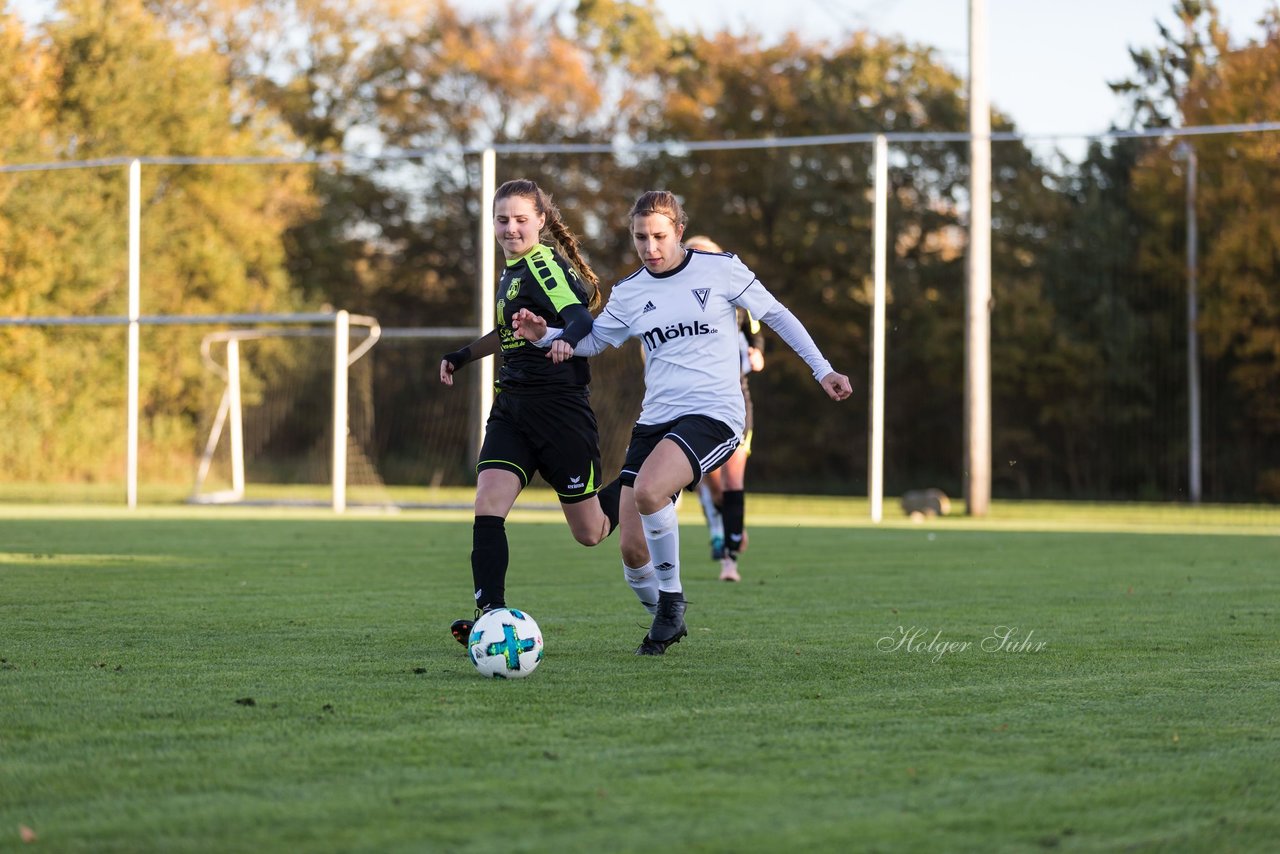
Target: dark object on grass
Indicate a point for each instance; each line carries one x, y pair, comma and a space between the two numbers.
921, 504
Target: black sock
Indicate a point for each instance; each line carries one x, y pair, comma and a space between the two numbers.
733, 503
489, 561
609, 498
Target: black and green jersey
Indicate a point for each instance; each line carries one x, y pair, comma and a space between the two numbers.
543, 282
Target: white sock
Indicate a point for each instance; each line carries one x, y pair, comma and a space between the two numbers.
662, 533
645, 584
715, 522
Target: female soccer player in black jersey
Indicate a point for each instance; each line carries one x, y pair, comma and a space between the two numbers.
541, 420
682, 304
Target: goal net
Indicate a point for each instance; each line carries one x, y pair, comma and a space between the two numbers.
289, 414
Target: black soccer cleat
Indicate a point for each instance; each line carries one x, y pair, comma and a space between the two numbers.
461, 630
668, 625
668, 622
649, 646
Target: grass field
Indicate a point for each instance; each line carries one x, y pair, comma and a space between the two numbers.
182, 679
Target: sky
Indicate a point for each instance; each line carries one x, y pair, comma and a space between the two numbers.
1049, 60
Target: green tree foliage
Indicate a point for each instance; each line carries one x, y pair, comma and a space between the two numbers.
1086, 393
1162, 73
108, 82
312, 66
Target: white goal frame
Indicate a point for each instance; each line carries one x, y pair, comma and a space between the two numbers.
341, 322
230, 409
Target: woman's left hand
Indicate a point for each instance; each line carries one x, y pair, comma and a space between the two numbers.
836, 386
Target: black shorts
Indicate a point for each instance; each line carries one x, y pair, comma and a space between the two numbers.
705, 441
553, 435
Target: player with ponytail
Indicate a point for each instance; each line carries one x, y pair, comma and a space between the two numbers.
541, 420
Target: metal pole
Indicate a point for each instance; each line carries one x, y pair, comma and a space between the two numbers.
341, 348
1193, 344
135, 305
875, 465
236, 414
486, 298
977, 391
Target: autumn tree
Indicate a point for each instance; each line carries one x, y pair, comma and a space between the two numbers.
802, 218
1205, 79
110, 83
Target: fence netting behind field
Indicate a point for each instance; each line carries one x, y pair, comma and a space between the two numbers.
1092, 387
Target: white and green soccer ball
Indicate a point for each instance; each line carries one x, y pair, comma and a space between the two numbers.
505, 644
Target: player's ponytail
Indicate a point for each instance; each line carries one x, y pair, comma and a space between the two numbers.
560, 232
569, 245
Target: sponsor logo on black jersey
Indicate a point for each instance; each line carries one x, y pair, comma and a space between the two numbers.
661, 335
701, 294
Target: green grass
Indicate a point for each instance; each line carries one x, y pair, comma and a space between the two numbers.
131, 643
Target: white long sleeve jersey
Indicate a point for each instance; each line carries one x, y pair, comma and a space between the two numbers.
686, 322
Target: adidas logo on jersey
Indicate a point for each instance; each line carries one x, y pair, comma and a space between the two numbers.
648, 307
659, 335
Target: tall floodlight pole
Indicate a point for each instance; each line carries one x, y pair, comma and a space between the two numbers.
1183, 151
977, 378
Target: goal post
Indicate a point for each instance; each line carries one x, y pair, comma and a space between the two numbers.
228, 417
230, 414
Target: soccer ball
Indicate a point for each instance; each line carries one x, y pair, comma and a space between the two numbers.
505, 644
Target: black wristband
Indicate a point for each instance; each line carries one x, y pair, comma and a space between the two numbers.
458, 358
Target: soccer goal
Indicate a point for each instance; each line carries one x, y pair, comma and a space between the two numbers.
278, 434
344, 447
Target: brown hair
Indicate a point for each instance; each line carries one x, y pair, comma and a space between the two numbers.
560, 232
659, 202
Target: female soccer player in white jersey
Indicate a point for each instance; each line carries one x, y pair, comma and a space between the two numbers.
682, 305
